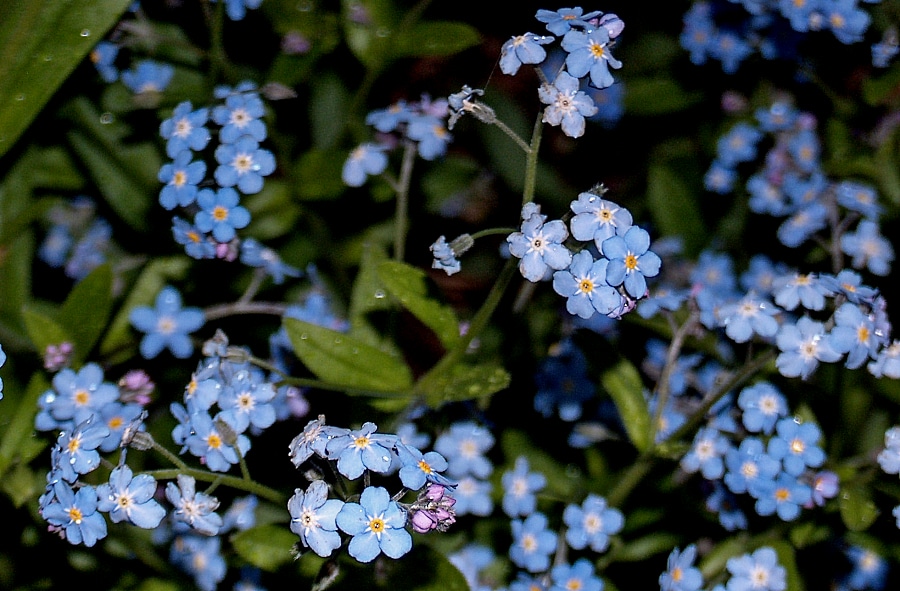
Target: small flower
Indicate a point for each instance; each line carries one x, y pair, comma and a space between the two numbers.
181, 178
803, 345
762, 405
597, 219
127, 497
243, 164
75, 513
591, 523
216, 441
240, 115
237, 9
472, 496
681, 574
444, 257
376, 524
759, 571
589, 53
533, 543
784, 495
185, 129
312, 440
584, 286
464, 445
519, 487
361, 449
747, 466
706, 454
148, 76
167, 325
523, 49
869, 569
430, 134
417, 468
313, 518
868, 248
539, 245
631, 261
196, 509
560, 22
567, 104
368, 159
56, 357
103, 56
197, 244
576, 576
76, 450
797, 446
221, 213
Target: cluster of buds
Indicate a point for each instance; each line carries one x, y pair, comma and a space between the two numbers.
433, 510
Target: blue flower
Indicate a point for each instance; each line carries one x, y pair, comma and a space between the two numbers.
762, 405
196, 244
148, 76
181, 177
759, 571
365, 160
748, 316
201, 557
237, 9
802, 224
567, 104
597, 219
75, 513
533, 543
848, 21
519, 487
806, 289
738, 145
749, 465
803, 345
559, 22
185, 129
523, 49
729, 49
76, 450
417, 468
376, 524
539, 245
312, 440
630, 261
167, 325
221, 213
869, 569
127, 497
464, 445
75, 397
854, 333
584, 286
103, 57
563, 382
576, 576
589, 53
591, 523
680, 573
868, 248
255, 254
784, 495
430, 134
849, 284
216, 441
361, 449
797, 446
313, 518
472, 496
889, 457
887, 362
239, 116
444, 257
247, 401
706, 454
194, 508
243, 164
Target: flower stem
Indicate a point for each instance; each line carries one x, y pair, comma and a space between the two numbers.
401, 215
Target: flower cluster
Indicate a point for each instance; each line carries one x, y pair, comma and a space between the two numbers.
759, 570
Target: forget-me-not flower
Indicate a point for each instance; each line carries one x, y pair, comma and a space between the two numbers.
75, 513
591, 523
533, 543
567, 104
680, 573
376, 524
631, 261
167, 325
243, 164
127, 497
221, 213
589, 53
584, 286
523, 49
181, 177
313, 518
519, 487
803, 345
539, 245
759, 571
367, 159
194, 508
797, 446
361, 449
185, 129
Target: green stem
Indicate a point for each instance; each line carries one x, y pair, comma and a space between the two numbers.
234, 482
491, 232
531, 160
242, 307
401, 216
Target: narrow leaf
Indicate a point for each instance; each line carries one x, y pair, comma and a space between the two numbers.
623, 382
342, 360
41, 43
86, 310
407, 284
43, 330
434, 39
19, 431
466, 382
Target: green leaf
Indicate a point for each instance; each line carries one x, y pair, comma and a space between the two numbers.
319, 174
369, 295
86, 310
656, 96
466, 382
640, 548
434, 39
623, 382
370, 39
266, 546
329, 96
41, 43
17, 441
343, 360
674, 207
858, 511
407, 284
787, 558
43, 330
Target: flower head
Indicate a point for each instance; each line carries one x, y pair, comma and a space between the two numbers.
313, 518
376, 524
167, 325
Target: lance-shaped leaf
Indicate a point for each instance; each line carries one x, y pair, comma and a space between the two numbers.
266, 546
407, 284
466, 382
342, 360
623, 382
85, 312
858, 511
41, 43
